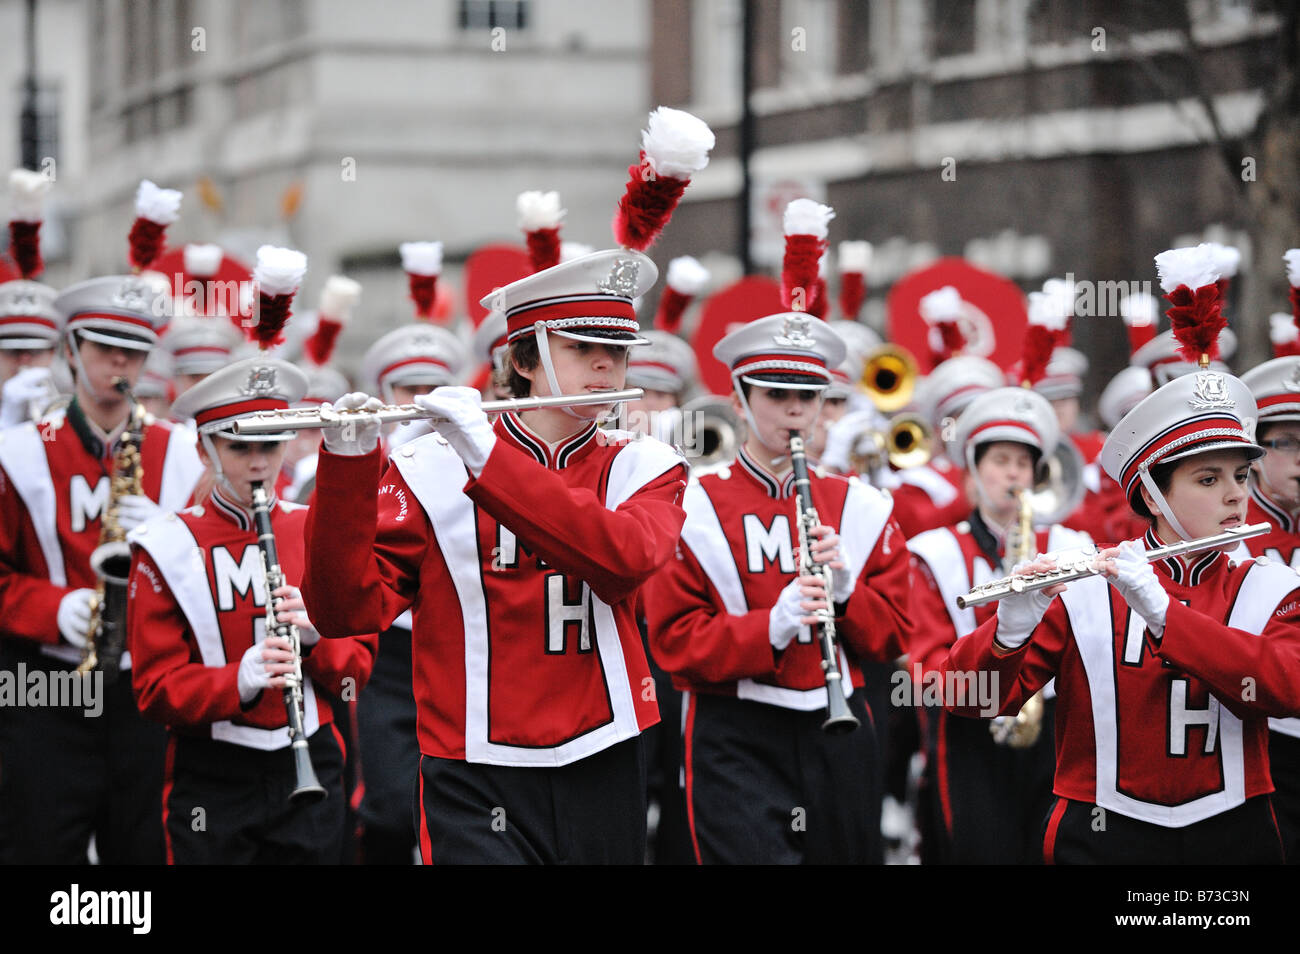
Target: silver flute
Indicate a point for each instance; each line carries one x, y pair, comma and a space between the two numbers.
1078, 566
305, 418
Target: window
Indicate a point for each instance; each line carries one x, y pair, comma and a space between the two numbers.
489, 14
953, 27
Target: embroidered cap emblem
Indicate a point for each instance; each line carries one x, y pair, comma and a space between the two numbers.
1292, 383
621, 279
133, 295
22, 303
1211, 391
795, 333
261, 381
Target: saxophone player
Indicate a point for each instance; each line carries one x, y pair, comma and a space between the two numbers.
67, 777
729, 619
205, 664
985, 800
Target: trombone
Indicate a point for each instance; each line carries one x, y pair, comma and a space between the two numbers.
303, 418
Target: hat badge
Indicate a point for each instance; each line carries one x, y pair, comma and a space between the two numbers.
261, 381
1293, 382
796, 333
621, 280
23, 303
1023, 408
1211, 391
133, 295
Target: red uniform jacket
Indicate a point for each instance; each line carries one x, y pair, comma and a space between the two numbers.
198, 602
522, 583
1169, 731
54, 485
708, 611
932, 495
1281, 546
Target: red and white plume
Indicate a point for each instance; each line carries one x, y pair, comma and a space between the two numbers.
941, 310
201, 263
337, 299
1228, 260
27, 190
674, 146
1189, 278
1061, 293
1141, 313
278, 275
1292, 258
1044, 333
422, 262
540, 216
1284, 334
854, 260
155, 209
686, 279
571, 250
807, 223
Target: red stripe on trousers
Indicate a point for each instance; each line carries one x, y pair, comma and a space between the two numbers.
426, 847
166, 795
1053, 823
688, 762
942, 752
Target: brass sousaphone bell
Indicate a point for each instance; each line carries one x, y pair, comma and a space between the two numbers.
888, 377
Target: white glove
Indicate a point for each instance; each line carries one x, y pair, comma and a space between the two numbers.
840, 437
842, 580
783, 622
1136, 581
135, 509
261, 664
74, 617
1020, 613
28, 385
356, 437
293, 610
464, 424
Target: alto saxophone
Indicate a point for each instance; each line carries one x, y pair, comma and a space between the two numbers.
111, 560
1021, 730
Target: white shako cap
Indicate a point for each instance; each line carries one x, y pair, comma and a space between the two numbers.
155, 380
1160, 356
324, 383
1064, 376
954, 383
1275, 386
238, 390
125, 311
859, 341
1198, 412
1122, 393
415, 354
489, 342
667, 364
788, 350
1006, 414
200, 345
28, 318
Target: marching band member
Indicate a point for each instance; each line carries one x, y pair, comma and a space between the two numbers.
29, 331
1165, 673
66, 776
988, 796
728, 617
206, 668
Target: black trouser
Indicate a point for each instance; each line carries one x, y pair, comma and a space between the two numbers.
992, 798
765, 785
670, 842
65, 776
228, 804
390, 754
1284, 763
1079, 833
587, 812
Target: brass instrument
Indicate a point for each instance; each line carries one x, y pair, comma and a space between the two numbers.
111, 560
888, 377
715, 429
838, 717
1021, 730
301, 418
904, 443
306, 787
1079, 565
1059, 489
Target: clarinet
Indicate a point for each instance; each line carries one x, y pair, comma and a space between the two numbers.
307, 788
838, 717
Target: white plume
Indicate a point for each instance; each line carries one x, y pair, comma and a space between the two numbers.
687, 276
1194, 267
202, 261
539, 210
279, 271
855, 257
941, 305
339, 296
28, 191
1139, 309
421, 258
806, 217
157, 205
676, 144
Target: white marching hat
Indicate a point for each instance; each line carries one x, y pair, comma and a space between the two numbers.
953, 384
200, 345
324, 383
859, 341
490, 339
255, 384
1161, 356
125, 311
1006, 414
587, 299
1064, 376
1198, 412
420, 353
788, 350
667, 364
1275, 386
1123, 393
28, 318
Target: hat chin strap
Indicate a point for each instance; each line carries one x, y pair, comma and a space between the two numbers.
1162, 505
222, 480
544, 352
82, 377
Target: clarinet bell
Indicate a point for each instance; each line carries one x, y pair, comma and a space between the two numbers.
309, 789
839, 720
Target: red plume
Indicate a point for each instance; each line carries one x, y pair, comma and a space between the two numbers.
646, 206
423, 292
853, 292
799, 270
25, 247
672, 305
543, 248
820, 300
1197, 318
1040, 342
